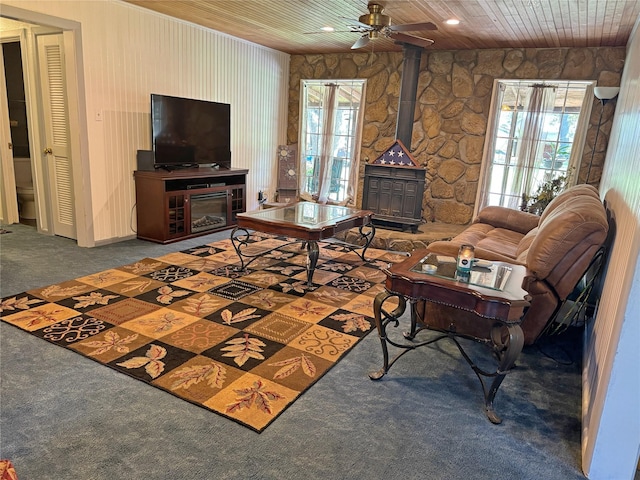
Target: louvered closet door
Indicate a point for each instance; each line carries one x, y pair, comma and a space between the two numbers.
57, 152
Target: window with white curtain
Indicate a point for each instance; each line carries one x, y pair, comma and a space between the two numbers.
331, 114
535, 134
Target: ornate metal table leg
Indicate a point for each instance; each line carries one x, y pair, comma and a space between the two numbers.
382, 319
508, 357
312, 259
239, 239
415, 316
368, 236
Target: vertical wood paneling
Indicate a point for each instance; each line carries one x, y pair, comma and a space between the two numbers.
129, 53
611, 393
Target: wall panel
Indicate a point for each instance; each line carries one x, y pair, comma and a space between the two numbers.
611, 392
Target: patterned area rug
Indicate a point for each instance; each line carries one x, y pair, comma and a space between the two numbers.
244, 344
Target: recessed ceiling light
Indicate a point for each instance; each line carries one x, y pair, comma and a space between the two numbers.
327, 29
452, 21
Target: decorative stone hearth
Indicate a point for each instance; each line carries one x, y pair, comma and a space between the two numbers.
404, 241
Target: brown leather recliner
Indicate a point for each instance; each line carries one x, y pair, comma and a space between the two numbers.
556, 247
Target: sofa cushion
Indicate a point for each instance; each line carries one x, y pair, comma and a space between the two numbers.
490, 243
472, 234
501, 240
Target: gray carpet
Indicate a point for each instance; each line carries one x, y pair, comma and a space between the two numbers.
63, 416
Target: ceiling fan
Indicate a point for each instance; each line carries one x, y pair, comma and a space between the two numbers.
375, 24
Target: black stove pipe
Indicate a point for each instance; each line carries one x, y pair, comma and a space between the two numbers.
408, 91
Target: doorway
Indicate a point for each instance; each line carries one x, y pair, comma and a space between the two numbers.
46, 170
19, 131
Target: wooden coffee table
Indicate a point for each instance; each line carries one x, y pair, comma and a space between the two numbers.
307, 222
492, 296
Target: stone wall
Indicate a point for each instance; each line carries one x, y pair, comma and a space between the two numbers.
452, 107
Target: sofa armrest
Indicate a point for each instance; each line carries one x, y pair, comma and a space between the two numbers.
508, 218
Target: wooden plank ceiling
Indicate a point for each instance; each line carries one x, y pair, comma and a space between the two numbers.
294, 26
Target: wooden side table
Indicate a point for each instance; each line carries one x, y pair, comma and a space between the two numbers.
492, 293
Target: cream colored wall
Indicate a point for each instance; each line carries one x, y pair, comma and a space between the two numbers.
611, 386
129, 53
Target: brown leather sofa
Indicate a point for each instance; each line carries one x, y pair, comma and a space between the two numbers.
556, 247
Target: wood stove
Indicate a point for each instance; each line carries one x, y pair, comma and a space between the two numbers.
394, 184
393, 189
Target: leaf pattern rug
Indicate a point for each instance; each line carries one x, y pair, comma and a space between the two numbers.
244, 344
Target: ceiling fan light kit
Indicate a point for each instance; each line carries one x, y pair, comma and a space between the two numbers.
375, 16
375, 23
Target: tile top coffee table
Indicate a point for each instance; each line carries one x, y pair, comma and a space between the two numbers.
491, 295
308, 222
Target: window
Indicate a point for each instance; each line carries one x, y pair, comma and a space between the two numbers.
330, 130
536, 134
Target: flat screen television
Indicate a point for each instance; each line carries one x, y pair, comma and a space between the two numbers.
188, 132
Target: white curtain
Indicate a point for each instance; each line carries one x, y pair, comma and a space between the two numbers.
330, 103
482, 198
540, 103
352, 187
577, 148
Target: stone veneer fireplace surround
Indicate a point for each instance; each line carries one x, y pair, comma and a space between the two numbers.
453, 96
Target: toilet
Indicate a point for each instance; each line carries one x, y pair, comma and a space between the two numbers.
24, 188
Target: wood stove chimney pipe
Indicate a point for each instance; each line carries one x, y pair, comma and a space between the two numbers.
408, 90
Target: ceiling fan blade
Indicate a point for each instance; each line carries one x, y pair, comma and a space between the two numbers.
361, 42
357, 23
413, 27
410, 39
326, 32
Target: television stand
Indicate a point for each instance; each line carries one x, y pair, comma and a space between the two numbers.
184, 203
